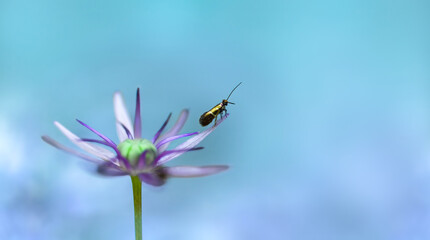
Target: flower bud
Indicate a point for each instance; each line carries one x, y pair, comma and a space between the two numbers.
131, 149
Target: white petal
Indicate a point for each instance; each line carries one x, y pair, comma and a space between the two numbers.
88, 147
190, 143
55, 144
174, 130
122, 117
193, 171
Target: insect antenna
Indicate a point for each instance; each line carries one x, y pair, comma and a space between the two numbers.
233, 91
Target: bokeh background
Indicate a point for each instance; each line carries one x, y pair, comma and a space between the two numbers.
329, 137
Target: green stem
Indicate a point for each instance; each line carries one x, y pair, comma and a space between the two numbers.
137, 197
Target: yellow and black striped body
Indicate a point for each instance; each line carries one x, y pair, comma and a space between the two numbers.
212, 114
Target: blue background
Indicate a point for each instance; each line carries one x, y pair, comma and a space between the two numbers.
329, 137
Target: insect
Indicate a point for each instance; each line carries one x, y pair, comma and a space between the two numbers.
209, 116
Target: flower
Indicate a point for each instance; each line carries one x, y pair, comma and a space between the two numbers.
134, 155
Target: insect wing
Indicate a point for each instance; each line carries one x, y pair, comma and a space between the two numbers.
206, 118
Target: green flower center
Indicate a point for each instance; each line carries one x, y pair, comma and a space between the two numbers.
131, 149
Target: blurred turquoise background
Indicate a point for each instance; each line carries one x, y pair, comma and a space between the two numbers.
329, 138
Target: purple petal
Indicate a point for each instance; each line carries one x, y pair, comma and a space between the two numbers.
110, 143
190, 143
175, 129
110, 169
90, 148
97, 141
137, 118
129, 135
103, 143
57, 145
193, 171
124, 162
122, 116
142, 160
169, 139
152, 179
174, 151
161, 129
97, 132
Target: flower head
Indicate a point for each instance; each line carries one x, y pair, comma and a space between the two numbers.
134, 155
